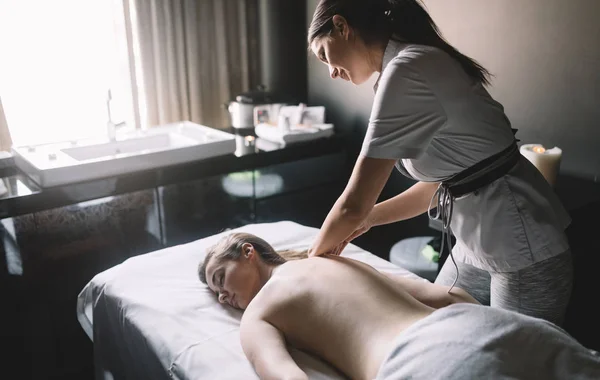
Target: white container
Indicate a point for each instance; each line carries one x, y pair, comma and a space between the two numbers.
241, 110
242, 115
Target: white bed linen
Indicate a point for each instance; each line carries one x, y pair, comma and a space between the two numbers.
151, 317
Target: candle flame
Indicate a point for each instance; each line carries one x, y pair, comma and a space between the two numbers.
538, 149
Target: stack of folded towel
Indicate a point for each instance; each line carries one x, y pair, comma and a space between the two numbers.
295, 124
294, 133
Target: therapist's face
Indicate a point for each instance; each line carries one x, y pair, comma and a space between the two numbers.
344, 53
236, 282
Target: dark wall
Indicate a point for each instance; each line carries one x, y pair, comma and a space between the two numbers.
545, 57
283, 48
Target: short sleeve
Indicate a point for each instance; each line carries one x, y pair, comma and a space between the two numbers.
406, 113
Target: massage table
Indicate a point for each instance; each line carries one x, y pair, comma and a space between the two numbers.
150, 317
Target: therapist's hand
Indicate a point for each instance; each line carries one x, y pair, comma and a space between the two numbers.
337, 250
364, 227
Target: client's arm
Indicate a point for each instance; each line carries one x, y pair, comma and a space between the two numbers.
265, 348
430, 294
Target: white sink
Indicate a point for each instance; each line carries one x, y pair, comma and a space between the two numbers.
68, 162
134, 145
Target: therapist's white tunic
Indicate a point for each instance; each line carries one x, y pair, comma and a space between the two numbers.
437, 121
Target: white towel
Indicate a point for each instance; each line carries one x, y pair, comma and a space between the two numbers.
295, 134
466, 341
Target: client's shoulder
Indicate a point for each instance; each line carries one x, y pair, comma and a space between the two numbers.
287, 282
286, 285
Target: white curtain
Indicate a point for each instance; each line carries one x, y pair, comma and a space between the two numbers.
192, 56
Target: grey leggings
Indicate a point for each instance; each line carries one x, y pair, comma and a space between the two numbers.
541, 290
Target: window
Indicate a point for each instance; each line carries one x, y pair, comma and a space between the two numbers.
59, 60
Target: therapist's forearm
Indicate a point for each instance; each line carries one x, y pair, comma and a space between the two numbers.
354, 205
408, 204
341, 221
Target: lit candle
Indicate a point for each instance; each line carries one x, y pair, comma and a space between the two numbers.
245, 145
249, 140
547, 161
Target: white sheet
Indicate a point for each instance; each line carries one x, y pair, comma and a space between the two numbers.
151, 317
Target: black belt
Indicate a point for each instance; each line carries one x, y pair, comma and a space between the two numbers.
469, 180
483, 173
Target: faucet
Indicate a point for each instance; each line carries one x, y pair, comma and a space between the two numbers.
111, 127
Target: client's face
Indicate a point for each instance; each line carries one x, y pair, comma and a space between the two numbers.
236, 282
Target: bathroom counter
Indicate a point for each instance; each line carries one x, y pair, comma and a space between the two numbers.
20, 195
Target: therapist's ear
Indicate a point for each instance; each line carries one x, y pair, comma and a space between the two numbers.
341, 26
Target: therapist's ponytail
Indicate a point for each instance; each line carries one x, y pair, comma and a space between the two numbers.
377, 21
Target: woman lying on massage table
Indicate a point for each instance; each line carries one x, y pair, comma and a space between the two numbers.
370, 325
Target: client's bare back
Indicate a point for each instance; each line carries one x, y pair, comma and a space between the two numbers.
340, 309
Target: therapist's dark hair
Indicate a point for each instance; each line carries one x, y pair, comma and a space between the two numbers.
230, 248
378, 21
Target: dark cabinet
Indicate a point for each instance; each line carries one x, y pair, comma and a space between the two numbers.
49, 257
196, 209
302, 191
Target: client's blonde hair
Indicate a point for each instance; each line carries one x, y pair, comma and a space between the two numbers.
230, 248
